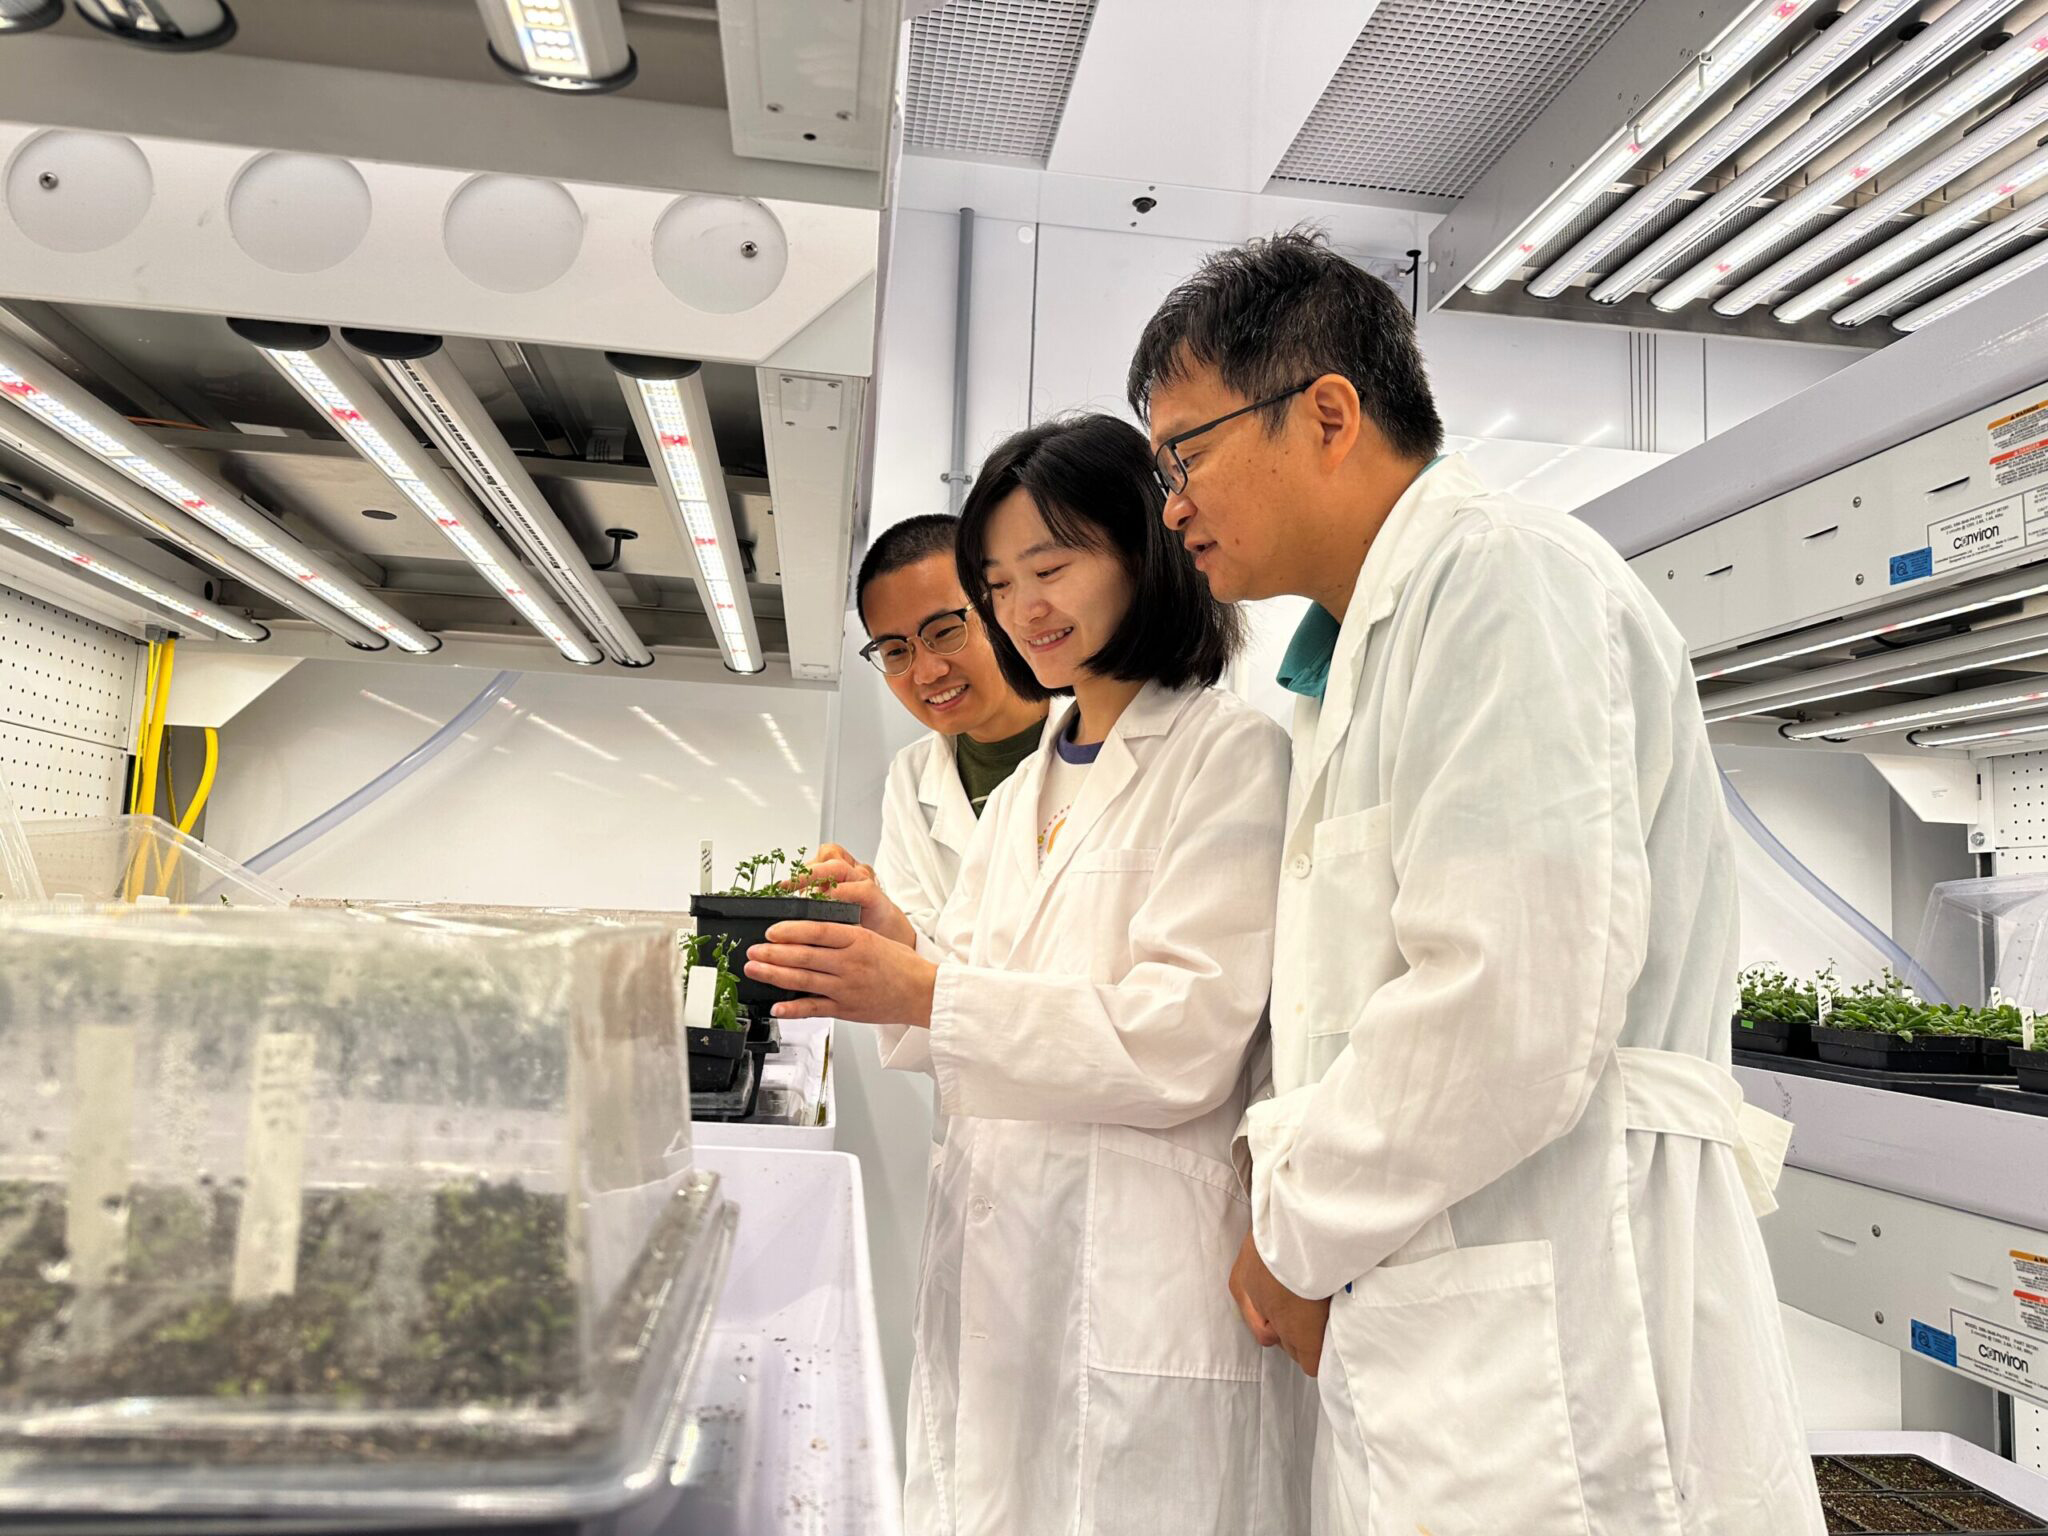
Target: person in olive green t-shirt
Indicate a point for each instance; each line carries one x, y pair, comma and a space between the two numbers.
925, 639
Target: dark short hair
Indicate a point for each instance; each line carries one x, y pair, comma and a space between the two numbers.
1091, 479
1274, 313
904, 544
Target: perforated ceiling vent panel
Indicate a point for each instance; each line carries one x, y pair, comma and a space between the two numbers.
1434, 90
990, 77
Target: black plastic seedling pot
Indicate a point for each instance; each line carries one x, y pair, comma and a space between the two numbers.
715, 1058
1780, 1037
1888, 1052
2032, 1067
746, 921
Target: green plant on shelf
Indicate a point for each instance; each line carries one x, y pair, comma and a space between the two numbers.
1888, 1006
776, 873
715, 952
1771, 996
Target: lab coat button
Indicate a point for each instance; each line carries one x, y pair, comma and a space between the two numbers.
983, 1209
1300, 867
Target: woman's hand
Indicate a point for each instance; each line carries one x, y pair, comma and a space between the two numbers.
856, 974
853, 881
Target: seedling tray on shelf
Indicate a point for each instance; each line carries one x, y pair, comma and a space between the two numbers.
1960, 1087
1889, 1053
2031, 1067
1912, 1496
1774, 1037
2019, 1101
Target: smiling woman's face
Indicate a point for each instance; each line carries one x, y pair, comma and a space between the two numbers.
1059, 605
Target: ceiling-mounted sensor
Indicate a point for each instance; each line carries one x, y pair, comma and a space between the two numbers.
561, 45
27, 15
174, 25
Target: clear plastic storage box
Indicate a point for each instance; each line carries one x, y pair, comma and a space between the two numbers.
332, 1213
1986, 933
123, 858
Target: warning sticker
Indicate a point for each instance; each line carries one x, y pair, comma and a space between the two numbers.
2019, 444
1979, 534
2010, 1361
2030, 1289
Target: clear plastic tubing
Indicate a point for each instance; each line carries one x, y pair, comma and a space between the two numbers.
389, 779
1903, 965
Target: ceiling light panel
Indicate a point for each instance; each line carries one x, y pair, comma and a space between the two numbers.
1976, 703
1938, 111
1962, 23
42, 392
1978, 287
1782, 89
2020, 729
1936, 270
30, 527
351, 405
560, 45
1995, 646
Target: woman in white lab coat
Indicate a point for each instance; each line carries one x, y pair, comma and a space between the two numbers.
1091, 1013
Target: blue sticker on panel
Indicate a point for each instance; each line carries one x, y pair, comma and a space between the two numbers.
1933, 1343
1912, 565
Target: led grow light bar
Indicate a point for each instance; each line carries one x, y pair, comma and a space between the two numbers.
307, 358
2013, 587
31, 527
2019, 726
560, 45
46, 395
1849, 106
1929, 230
1974, 704
433, 389
2019, 266
1937, 269
666, 398
1764, 24
1997, 646
1913, 128
1778, 92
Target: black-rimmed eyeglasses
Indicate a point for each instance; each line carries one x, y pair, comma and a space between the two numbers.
1171, 471
943, 634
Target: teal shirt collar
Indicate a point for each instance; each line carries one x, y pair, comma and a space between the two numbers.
1305, 669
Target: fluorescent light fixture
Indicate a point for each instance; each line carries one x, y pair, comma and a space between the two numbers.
91, 478
2012, 587
1974, 704
1995, 646
2019, 729
1777, 93
1938, 269
173, 26
21, 520
1990, 282
426, 379
666, 397
1928, 230
1855, 101
309, 361
673, 738
27, 15
1908, 132
53, 399
560, 45
1728, 56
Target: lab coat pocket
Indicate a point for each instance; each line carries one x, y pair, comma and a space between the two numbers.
1165, 1223
1458, 1395
1347, 895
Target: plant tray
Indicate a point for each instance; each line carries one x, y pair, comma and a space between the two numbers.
1913, 1496
746, 921
1888, 1053
1963, 1088
716, 1057
1775, 1037
2018, 1101
2032, 1067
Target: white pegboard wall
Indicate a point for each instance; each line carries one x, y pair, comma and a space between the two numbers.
67, 703
2019, 811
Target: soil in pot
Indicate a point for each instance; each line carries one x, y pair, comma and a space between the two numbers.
1879, 1512
1977, 1512
1908, 1474
1833, 1477
746, 921
1839, 1524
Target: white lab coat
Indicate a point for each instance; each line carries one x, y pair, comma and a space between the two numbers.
1080, 1367
927, 824
1504, 1140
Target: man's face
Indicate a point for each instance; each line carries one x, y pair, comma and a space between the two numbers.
963, 692
1243, 485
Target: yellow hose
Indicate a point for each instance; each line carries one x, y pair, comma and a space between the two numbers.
142, 729
191, 817
153, 746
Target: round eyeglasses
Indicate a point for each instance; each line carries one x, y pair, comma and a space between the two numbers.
943, 634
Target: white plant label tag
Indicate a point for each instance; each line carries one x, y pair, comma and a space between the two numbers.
698, 1000
1997, 999
1824, 1001
274, 1158
704, 867
102, 1120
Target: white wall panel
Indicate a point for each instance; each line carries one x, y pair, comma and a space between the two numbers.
67, 703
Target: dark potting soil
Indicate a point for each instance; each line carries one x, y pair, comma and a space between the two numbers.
478, 1310
1837, 1521
1875, 1512
1833, 1477
1977, 1512
1908, 1474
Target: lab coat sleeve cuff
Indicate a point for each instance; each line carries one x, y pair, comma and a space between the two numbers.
942, 1043
1266, 1139
904, 1048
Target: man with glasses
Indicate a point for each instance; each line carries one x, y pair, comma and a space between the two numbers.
924, 638
1504, 1195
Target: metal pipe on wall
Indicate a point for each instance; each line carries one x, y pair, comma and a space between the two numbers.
956, 475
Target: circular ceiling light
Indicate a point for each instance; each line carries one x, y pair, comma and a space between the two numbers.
175, 26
